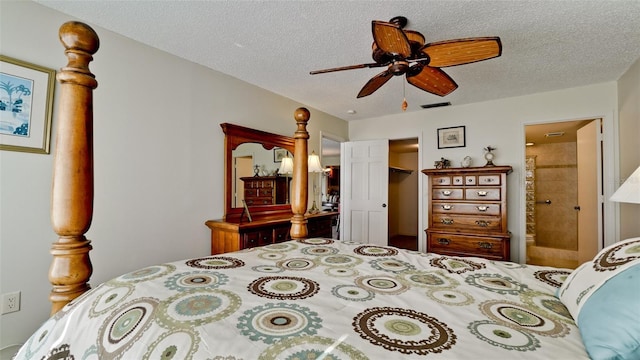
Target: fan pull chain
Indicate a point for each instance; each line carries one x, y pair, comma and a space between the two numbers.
404, 100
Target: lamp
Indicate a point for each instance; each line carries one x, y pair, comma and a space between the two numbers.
286, 168
629, 191
314, 167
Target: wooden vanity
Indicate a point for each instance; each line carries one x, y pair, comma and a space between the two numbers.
234, 236
266, 197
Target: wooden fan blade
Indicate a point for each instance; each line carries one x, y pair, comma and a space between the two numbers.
462, 51
375, 83
390, 38
432, 80
350, 67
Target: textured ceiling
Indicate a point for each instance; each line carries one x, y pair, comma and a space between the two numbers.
547, 45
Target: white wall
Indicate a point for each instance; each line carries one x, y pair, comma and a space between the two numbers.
629, 105
158, 159
499, 123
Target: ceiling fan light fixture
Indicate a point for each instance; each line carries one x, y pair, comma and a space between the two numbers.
405, 52
399, 67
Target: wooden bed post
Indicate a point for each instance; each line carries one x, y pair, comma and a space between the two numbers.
300, 175
72, 193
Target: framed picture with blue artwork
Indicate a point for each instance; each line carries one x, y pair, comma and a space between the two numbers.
26, 104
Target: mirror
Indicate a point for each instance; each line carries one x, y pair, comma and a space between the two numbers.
250, 152
330, 150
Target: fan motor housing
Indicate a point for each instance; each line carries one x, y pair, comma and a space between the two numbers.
399, 67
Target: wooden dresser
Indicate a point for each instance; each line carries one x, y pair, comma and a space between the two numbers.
468, 212
265, 190
234, 236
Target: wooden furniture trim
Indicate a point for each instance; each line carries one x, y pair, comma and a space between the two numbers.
226, 236
460, 188
255, 186
73, 177
72, 189
235, 135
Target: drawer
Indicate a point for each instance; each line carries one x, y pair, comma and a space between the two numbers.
489, 180
467, 222
253, 200
265, 192
256, 238
250, 239
258, 192
470, 180
441, 180
482, 194
447, 193
459, 245
319, 228
281, 234
466, 208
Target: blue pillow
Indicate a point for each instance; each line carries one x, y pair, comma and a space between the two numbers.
609, 320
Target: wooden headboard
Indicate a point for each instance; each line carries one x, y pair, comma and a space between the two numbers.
72, 189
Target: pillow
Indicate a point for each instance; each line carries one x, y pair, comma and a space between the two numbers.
603, 296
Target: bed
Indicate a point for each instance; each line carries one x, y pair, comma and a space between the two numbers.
313, 298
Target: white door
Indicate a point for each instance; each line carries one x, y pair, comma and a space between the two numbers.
243, 168
364, 187
589, 189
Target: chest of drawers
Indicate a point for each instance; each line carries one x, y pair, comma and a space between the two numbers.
265, 190
468, 212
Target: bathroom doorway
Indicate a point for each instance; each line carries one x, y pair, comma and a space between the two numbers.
562, 195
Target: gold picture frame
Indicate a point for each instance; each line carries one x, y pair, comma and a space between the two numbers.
26, 106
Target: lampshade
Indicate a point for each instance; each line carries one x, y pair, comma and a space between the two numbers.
286, 166
314, 163
629, 191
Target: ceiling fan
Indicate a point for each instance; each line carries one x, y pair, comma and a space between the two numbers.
404, 52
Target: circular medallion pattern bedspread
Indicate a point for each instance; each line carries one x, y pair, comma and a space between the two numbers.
318, 298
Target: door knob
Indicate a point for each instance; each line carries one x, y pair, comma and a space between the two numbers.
577, 207
384, 205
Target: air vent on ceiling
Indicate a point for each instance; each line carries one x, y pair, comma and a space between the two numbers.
429, 106
554, 134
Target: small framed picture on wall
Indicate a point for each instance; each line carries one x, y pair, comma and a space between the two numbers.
279, 154
451, 137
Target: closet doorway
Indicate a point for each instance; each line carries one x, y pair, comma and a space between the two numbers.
403, 193
379, 192
563, 183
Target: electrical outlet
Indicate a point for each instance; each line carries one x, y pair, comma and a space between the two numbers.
11, 302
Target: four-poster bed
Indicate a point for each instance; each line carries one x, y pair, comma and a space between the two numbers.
303, 298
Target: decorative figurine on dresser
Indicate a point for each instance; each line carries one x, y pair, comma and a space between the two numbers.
468, 212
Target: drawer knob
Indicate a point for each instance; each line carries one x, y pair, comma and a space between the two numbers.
447, 207
444, 241
446, 192
483, 223
447, 221
485, 245
482, 193
482, 208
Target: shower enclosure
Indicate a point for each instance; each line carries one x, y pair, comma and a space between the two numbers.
551, 197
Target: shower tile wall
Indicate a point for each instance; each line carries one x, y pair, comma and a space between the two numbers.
556, 180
